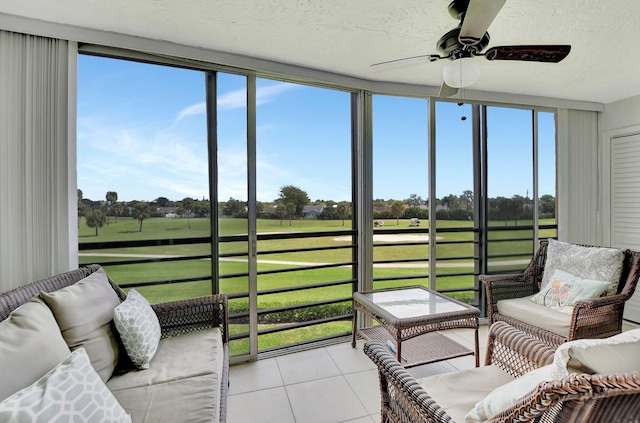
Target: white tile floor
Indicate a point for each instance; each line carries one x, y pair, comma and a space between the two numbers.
325, 385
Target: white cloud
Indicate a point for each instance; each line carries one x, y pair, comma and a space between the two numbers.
238, 99
196, 109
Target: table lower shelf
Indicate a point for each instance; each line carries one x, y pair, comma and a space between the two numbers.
428, 348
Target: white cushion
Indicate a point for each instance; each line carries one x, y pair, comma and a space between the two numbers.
597, 263
457, 392
138, 328
527, 311
616, 354
84, 312
71, 392
28, 332
508, 394
564, 290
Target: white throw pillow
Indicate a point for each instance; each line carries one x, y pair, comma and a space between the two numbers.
506, 395
616, 354
71, 392
564, 290
138, 327
596, 263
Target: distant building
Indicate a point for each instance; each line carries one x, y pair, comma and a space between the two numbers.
311, 212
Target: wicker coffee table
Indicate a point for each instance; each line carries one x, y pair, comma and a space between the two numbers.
410, 318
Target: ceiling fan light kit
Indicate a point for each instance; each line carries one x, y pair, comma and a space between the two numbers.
468, 40
461, 73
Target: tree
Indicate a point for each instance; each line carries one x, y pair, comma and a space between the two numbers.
95, 219
111, 197
233, 207
291, 194
201, 208
517, 207
162, 201
117, 210
451, 202
467, 197
414, 200
547, 206
291, 209
280, 210
397, 210
140, 211
187, 205
343, 210
81, 208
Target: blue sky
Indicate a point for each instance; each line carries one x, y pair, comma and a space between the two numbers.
142, 133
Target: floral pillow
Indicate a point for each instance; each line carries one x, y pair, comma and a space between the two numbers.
595, 263
565, 289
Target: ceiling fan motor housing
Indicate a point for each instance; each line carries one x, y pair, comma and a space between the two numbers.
451, 47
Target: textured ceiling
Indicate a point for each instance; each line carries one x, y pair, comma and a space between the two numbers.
346, 36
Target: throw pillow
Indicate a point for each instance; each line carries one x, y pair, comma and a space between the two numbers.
616, 354
506, 395
565, 289
138, 327
29, 331
596, 263
84, 312
72, 391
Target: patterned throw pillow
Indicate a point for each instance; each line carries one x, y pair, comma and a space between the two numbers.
596, 263
564, 290
138, 327
72, 391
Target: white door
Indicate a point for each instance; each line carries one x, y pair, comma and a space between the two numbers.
625, 204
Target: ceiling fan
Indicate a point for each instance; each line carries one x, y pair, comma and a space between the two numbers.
468, 40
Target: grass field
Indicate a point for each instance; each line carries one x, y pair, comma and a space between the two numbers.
449, 244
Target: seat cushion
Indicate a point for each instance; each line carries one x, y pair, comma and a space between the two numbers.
25, 336
84, 312
459, 392
186, 370
527, 311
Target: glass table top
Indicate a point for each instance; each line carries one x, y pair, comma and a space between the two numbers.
412, 302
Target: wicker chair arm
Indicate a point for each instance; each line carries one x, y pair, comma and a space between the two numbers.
185, 316
514, 351
406, 397
581, 390
597, 317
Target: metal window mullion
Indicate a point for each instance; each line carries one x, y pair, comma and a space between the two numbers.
478, 202
212, 151
431, 122
251, 218
361, 117
536, 156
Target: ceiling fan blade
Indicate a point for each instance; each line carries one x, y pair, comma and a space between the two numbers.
549, 54
447, 91
404, 62
477, 19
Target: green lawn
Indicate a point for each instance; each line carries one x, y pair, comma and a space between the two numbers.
164, 228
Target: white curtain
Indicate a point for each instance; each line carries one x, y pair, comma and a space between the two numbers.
577, 170
36, 176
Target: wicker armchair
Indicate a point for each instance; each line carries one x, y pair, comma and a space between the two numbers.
577, 398
594, 318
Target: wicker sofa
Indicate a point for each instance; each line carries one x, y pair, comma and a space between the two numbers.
590, 318
187, 379
511, 356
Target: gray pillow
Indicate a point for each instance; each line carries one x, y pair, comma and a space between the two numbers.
30, 345
84, 312
595, 263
